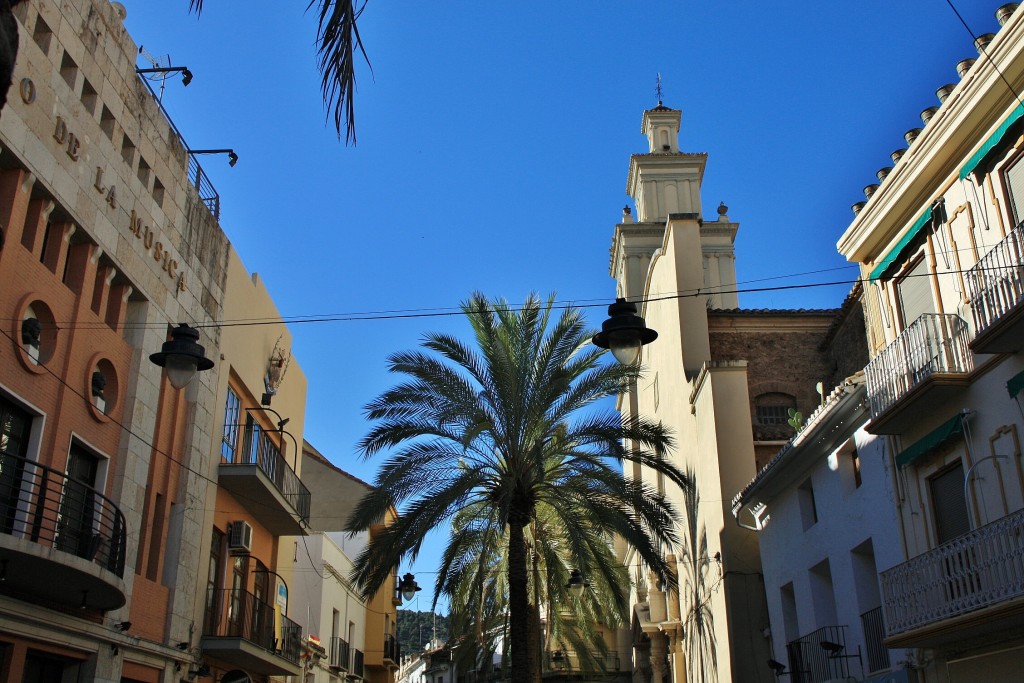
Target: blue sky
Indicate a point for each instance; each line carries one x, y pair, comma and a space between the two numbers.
494, 141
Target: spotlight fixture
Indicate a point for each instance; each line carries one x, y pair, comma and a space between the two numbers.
777, 667
123, 625
183, 645
186, 75
832, 648
232, 157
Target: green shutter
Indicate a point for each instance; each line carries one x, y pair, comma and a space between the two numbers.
935, 438
992, 141
897, 250
1015, 385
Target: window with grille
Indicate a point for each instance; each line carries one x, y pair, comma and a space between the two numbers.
229, 440
772, 410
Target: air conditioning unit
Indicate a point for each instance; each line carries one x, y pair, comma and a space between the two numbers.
240, 537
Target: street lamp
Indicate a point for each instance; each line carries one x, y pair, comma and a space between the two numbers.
183, 356
576, 583
624, 332
408, 587
186, 75
232, 157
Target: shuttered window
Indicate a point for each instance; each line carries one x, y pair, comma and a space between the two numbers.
948, 503
915, 293
1013, 176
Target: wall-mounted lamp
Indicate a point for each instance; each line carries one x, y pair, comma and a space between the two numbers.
232, 157
123, 625
624, 332
202, 672
183, 645
186, 75
408, 587
183, 356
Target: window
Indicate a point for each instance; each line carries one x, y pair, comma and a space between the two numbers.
808, 508
915, 293
1013, 178
855, 465
229, 439
949, 507
772, 410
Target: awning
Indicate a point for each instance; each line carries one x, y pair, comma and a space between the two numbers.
1015, 385
992, 142
901, 246
935, 438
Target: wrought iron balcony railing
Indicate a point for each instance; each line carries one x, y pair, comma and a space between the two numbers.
819, 656
981, 568
340, 655
995, 284
357, 663
569, 660
392, 650
934, 343
240, 614
260, 450
45, 506
874, 634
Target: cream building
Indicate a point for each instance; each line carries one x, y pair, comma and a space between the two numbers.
940, 242
723, 379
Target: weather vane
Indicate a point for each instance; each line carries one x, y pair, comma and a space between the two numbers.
657, 88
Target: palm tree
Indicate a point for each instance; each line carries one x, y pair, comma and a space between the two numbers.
338, 40
696, 589
509, 428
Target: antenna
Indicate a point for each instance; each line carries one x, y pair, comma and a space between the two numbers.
657, 88
157, 63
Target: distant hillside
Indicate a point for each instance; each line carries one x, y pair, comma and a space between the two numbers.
415, 629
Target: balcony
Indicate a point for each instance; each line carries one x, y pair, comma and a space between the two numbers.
392, 651
558, 662
340, 655
995, 287
820, 656
62, 543
926, 365
266, 485
874, 635
240, 629
969, 588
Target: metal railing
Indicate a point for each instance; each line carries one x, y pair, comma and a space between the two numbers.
340, 655
197, 177
810, 662
47, 507
996, 283
874, 633
258, 449
238, 613
981, 568
357, 663
932, 343
392, 650
569, 660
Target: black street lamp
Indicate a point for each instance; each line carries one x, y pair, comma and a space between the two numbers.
408, 587
624, 332
576, 583
183, 356
186, 75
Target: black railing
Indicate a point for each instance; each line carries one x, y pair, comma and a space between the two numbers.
260, 450
569, 660
392, 650
47, 507
240, 614
357, 663
340, 655
874, 634
819, 656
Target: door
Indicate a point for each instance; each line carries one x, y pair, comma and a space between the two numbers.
75, 527
15, 425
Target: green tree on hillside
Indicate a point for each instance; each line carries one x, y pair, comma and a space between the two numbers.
508, 426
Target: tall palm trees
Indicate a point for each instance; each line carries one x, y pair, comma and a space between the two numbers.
507, 429
338, 40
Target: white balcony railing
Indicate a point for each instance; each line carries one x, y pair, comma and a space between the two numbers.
934, 343
981, 568
995, 284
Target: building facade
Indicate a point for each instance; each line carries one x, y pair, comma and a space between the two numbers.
724, 380
940, 244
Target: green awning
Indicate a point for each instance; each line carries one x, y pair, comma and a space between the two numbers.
935, 438
1015, 385
897, 250
992, 141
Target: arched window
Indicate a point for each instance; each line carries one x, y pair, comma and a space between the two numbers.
771, 410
